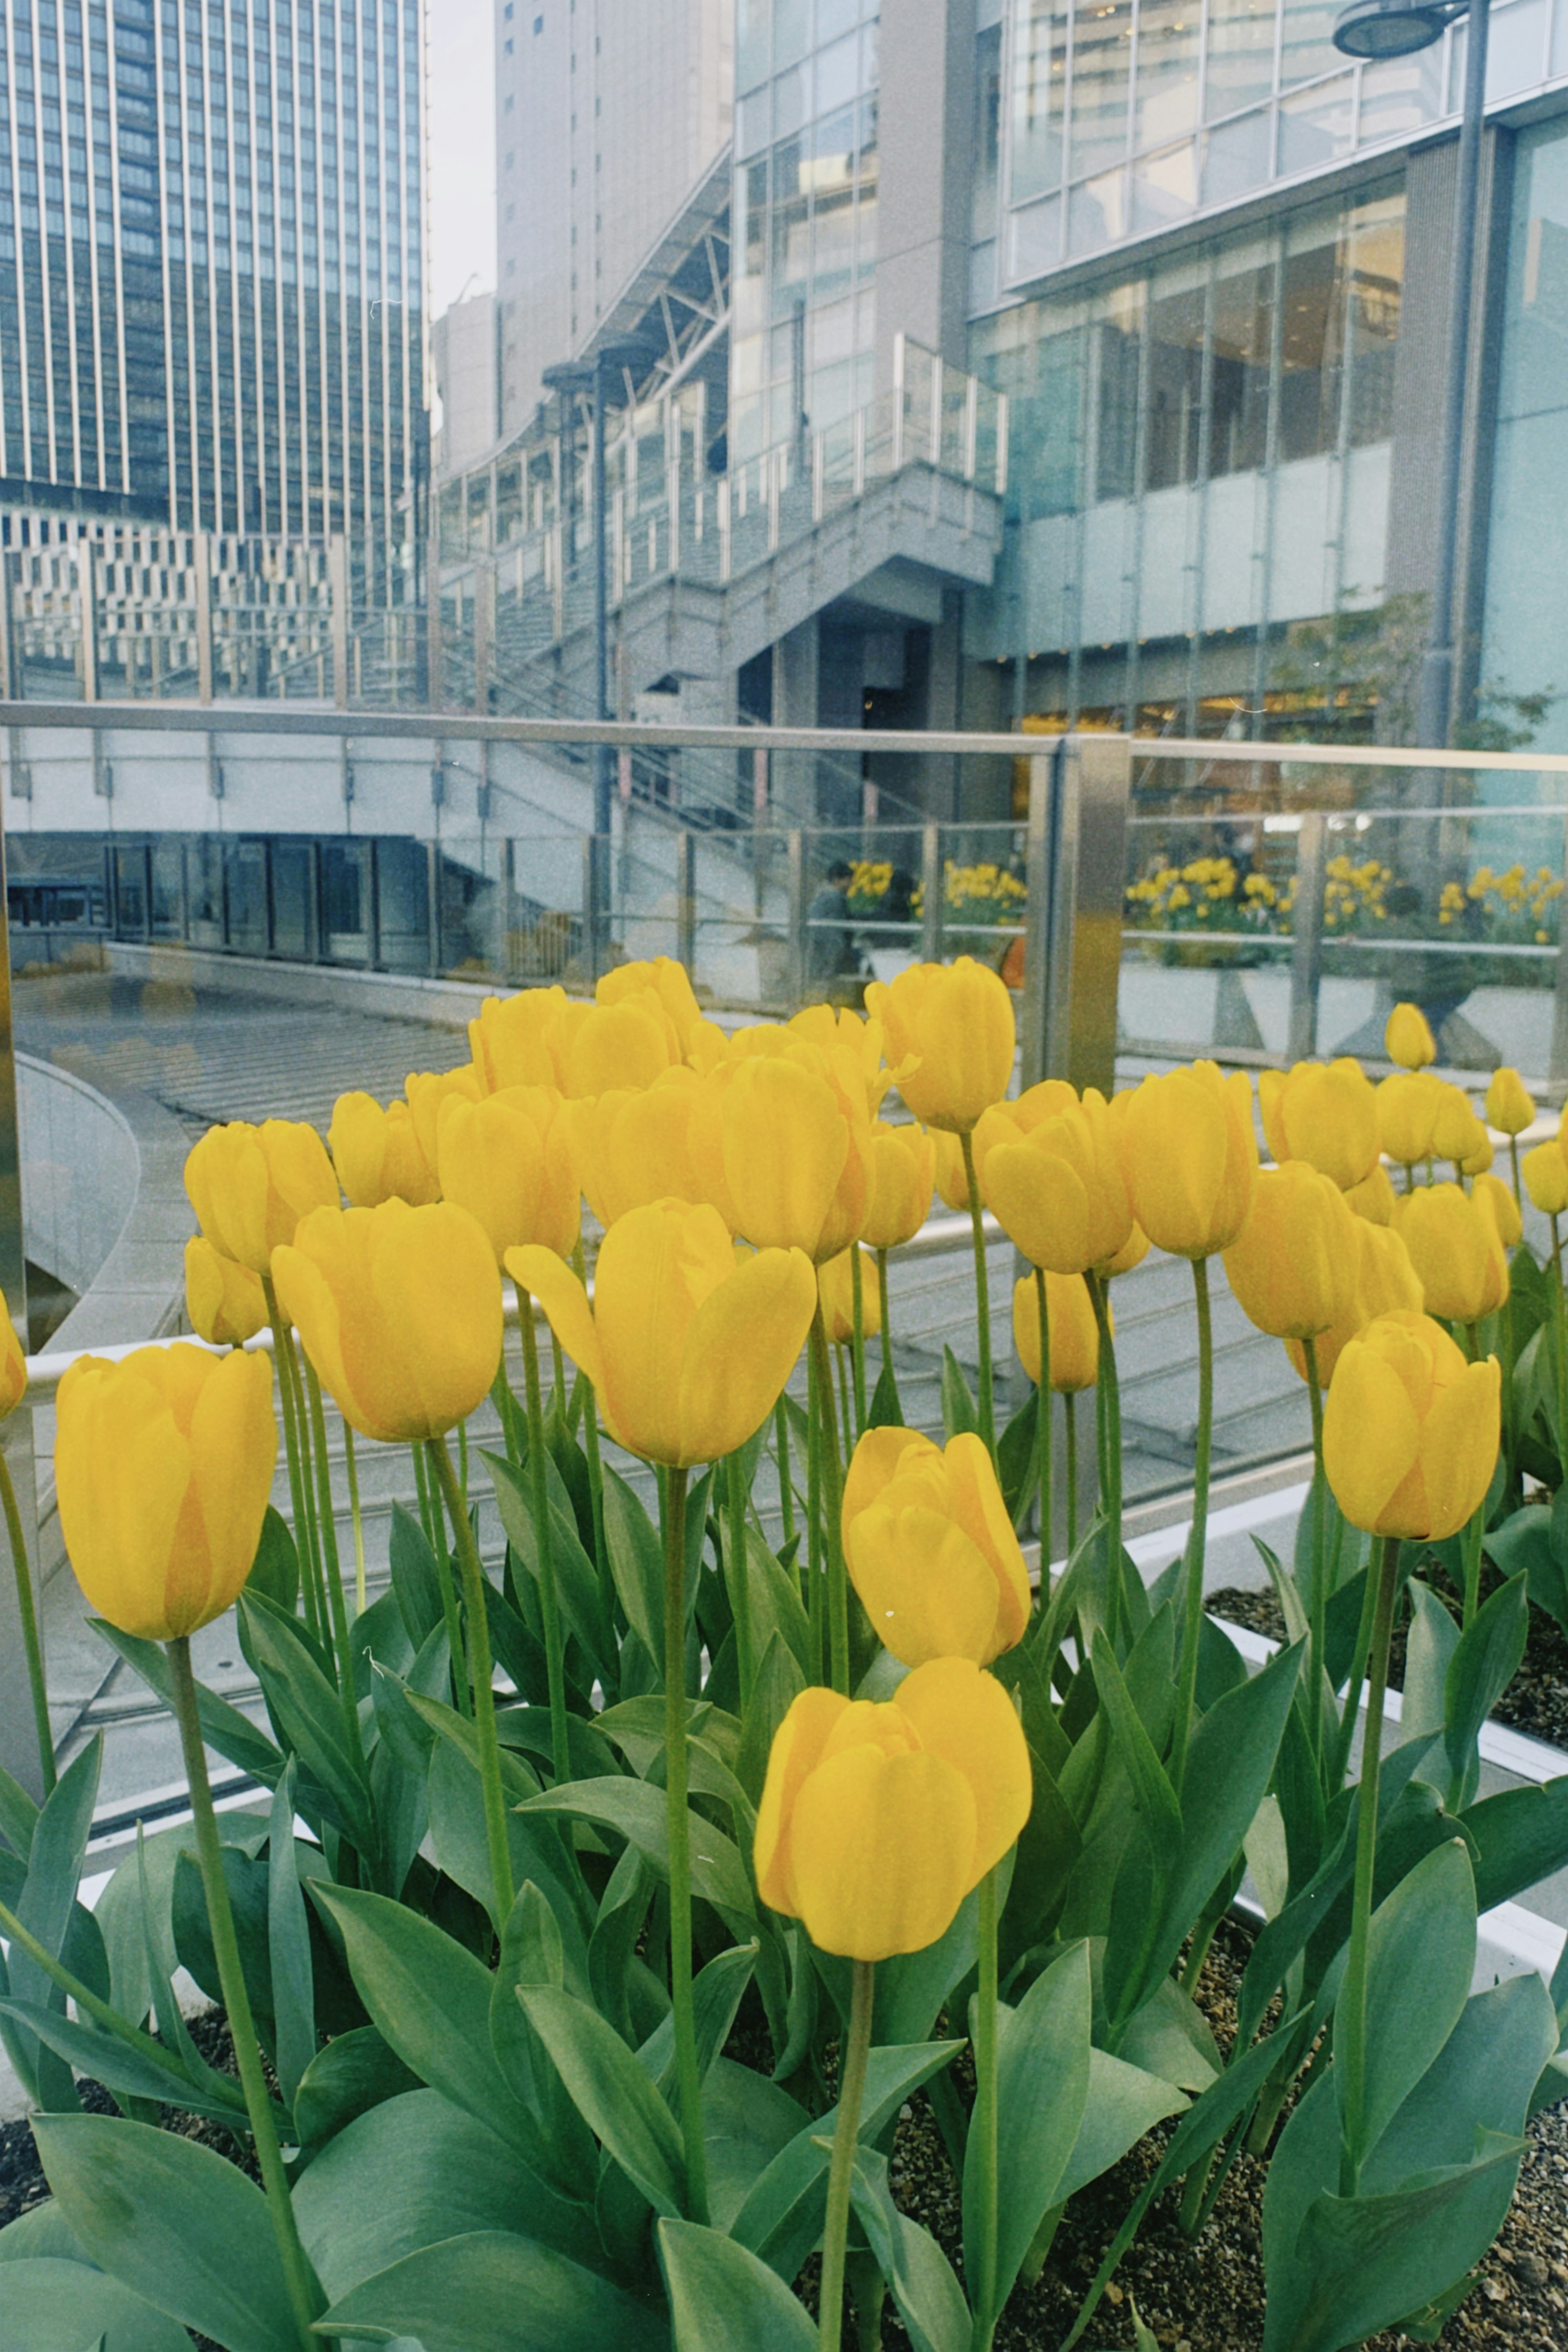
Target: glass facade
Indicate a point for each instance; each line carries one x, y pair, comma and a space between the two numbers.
804, 246
1200, 458
210, 262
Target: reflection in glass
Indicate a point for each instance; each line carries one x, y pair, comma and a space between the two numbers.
1166, 101
1241, 332
1307, 42
1039, 82
1235, 157
1239, 71
1173, 410
1377, 272
1102, 49
293, 900
1312, 350
1165, 186
1317, 125
1119, 340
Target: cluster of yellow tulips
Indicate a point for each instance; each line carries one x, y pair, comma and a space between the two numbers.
749, 1190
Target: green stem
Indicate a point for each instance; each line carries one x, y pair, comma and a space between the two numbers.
1340, 1761
336, 1605
740, 1583
1069, 1412
857, 1338
356, 1520
982, 1298
422, 1488
678, 1819
305, 2299
1192, 1601
27, 1612
482, 1677
781, 1447
505, 1404
883, 1303
310, 1550
549, 1599
1320, 1564
1475, 1534
841, 2170
1043, 1430
283, 1357
815, 1593
984, 2124
1559, 1334
832, 1499
1513, 1161
596, 1465
845, 1415
1107, 1403
1349, 2015
435, 1535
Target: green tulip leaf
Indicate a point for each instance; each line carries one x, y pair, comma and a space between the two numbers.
18, 1815
130, 2071
1520, 1836
721, 2295
45, 1907
533, 1952
63, 2306
1481, 1669
575, 1581
747, 2121
174, 2222
716, 1996
309, 1714
1434, 1639
1421, 1955
959, 1411
354, 2073
930, 2302
637, 1564
415, 1578
490, 2291
275, 1571
288, 1948
1124, 2101
225, 1730
635, 1811
1042, 2085
612, 2093
887, 1412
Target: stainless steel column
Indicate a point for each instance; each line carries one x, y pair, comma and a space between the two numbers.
1078, 878
18, 1746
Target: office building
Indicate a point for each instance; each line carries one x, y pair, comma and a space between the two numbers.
465, 352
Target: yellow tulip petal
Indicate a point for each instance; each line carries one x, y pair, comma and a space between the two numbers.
880, 1852
965, 1716
1459, 1447
798, 1746
740, 1346
926, 1586
541, 1273
1372, 1436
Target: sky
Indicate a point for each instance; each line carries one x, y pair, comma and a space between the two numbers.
460, 36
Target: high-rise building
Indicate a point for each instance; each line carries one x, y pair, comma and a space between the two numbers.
211, 265
608, 114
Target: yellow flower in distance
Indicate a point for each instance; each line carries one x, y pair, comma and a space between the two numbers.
1456, 1249
1458, 1135
1075, 1335
377, 1154
835, 1288
224, 1301
1545, 1173
523, 1040
426, 1090
903, 1173
1407, 1039
953, 1024
1408, 1107
400, 1311
637, 1146
796, 1140
1058, 1191
1373, 1198
931, 1549
1292, 1267
13, 1363
877, 1821
687, 1346
1189, 1155
163, 1464
1324, 1113
1509, 1108
510, 1162
1410, 1431
1499, 1198
250, 1186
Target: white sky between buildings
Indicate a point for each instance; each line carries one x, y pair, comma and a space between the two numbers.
460, 54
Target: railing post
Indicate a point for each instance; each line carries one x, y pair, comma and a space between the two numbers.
1078, 881
86, 611
798, 962
930, 894
898, 400
936, 402
818, 477
202, 563
433, 649
484, 633
596, 904
433, 906
1307, 937
1557, 1069
686, 899
19, 1748
338, 593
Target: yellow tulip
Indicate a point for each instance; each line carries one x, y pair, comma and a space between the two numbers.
836, 1289
1373, 1198
523, 1040
931, 1549
903, 1171
1457, 1134
250, 1186
1133, 1251
1407, 1039
838, 1027
1477, 1160
1408, 1107
224, 1301
635, 1146
163, 1464
377, 1154
13, 1363
671, 982
953, 1024
1292, 1267
1509, 1108
1058, 1190
400, 1311
1385, 1284
1189, 1157
510, 1162
1455, 1248
877, 1819
686, 1346
426, 1090
1410, 1431
629, 1043
1499, 1198
1323, 1113
1545, 1173
1075, 1335
796, 1140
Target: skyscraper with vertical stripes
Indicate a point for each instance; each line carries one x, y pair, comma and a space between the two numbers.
211, 265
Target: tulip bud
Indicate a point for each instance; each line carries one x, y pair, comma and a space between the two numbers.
1453, 1246
163, 1464
930, 1548
1509, 1108
1408, 1107
667, 981
1407, 1039
1323, 1113
1499, 1198
1456, 1133
400, 1311
1189, 1155
836, 1289
13, 1363
903, 1171
1373, 1198
797, 1147
954, 1024
1058, 1191
1478, 1159
1545, 1173
523, 1040
426, 1090
510, 1162
377, 1154
1410, 1431
1385, 1284
1074, 1333
636, 1147
688, 1347
1293, 1265
877, 1819
837, 1027
250, 1186
629, 1043
224, 1301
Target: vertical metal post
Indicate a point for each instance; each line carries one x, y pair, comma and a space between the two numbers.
799, 961
686, 899
434, 687
338, 590
1078, 881
1307, 936
86, 615
10, 681
201, 554
484, 633
1558, 1068
595, 846
372, 924
930, 894
433, 906
18, 1751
